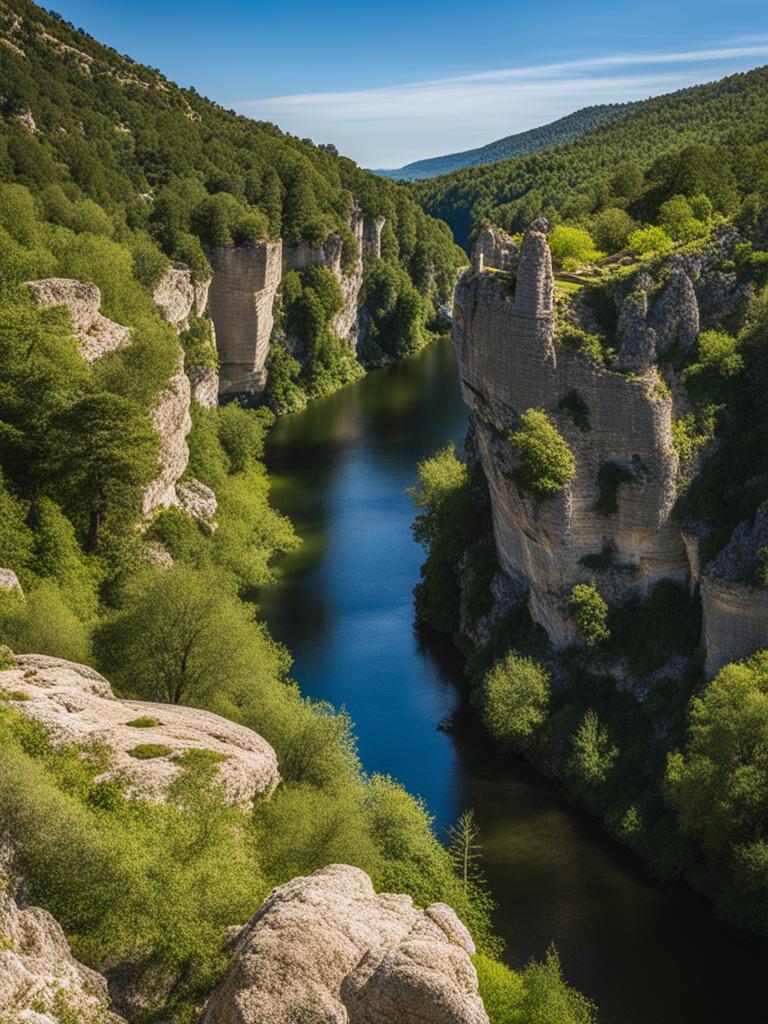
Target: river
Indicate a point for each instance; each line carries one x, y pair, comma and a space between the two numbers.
646, 953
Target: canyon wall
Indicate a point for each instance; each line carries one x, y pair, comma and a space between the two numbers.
613, 522
241, 299
510, 362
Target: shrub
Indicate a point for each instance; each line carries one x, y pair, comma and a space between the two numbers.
592, 753
590, 612
571, 247
611, 229
546, 462
514, 698
650, 241
143, 722
43, 624
501, 989
7, 658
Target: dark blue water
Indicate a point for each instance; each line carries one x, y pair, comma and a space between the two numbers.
648, 954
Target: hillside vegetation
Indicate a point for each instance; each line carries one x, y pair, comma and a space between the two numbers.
163, 169
602, 168
564, 129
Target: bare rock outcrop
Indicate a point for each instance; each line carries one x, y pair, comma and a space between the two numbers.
171, 419
241, 299
618, 428
96, 334
10, 581
74, 704
328, 949
40, 980
197, 500
177, 296
494, 249
735, 609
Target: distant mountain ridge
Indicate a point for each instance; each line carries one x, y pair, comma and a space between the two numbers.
564, 129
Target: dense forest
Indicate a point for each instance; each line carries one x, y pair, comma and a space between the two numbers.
578, 178
564, 129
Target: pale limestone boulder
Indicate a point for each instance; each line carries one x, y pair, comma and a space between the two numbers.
96, 334
171, 419
204, 382
197, 500
328, 949
10, 581
39, 977
174, 297
75, 704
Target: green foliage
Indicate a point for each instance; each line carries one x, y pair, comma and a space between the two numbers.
148, 751
668, 615
199, 348
176, 629
649, 241
444, 525
7, 658
571, 247
678, 219
611, 229
464, 847
143, 722
546, 463
501, 989
514, 698
590, 613
396, 313
284, 393
43, 623
592, 753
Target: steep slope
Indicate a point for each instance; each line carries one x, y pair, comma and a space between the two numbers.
564, 129
565, 180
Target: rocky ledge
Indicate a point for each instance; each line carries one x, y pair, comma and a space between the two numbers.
40, 980
328, 949
96, 334
148, 742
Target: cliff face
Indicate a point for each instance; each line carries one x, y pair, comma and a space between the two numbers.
367, 234
613, 523
241, 299
618, 428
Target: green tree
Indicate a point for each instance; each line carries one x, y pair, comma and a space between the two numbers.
590, 613
592, 753
182, 637
572, 247
464, 847
104, 440
611, 229
514, 699
546, 463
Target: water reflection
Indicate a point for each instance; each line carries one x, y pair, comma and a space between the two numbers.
344, 608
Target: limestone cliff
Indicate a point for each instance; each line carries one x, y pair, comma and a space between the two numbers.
328, 949
367, 234
178, 298
613, 522
241, 298
74, 704
509, 362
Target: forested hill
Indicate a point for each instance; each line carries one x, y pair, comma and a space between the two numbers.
157, 158
564, 129
572, 179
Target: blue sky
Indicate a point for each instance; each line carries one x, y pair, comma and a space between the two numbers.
397, 81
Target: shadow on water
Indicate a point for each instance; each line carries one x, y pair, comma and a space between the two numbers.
645, 952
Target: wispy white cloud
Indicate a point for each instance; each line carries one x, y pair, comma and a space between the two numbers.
395, 124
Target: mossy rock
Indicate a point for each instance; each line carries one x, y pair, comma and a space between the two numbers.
146, 751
